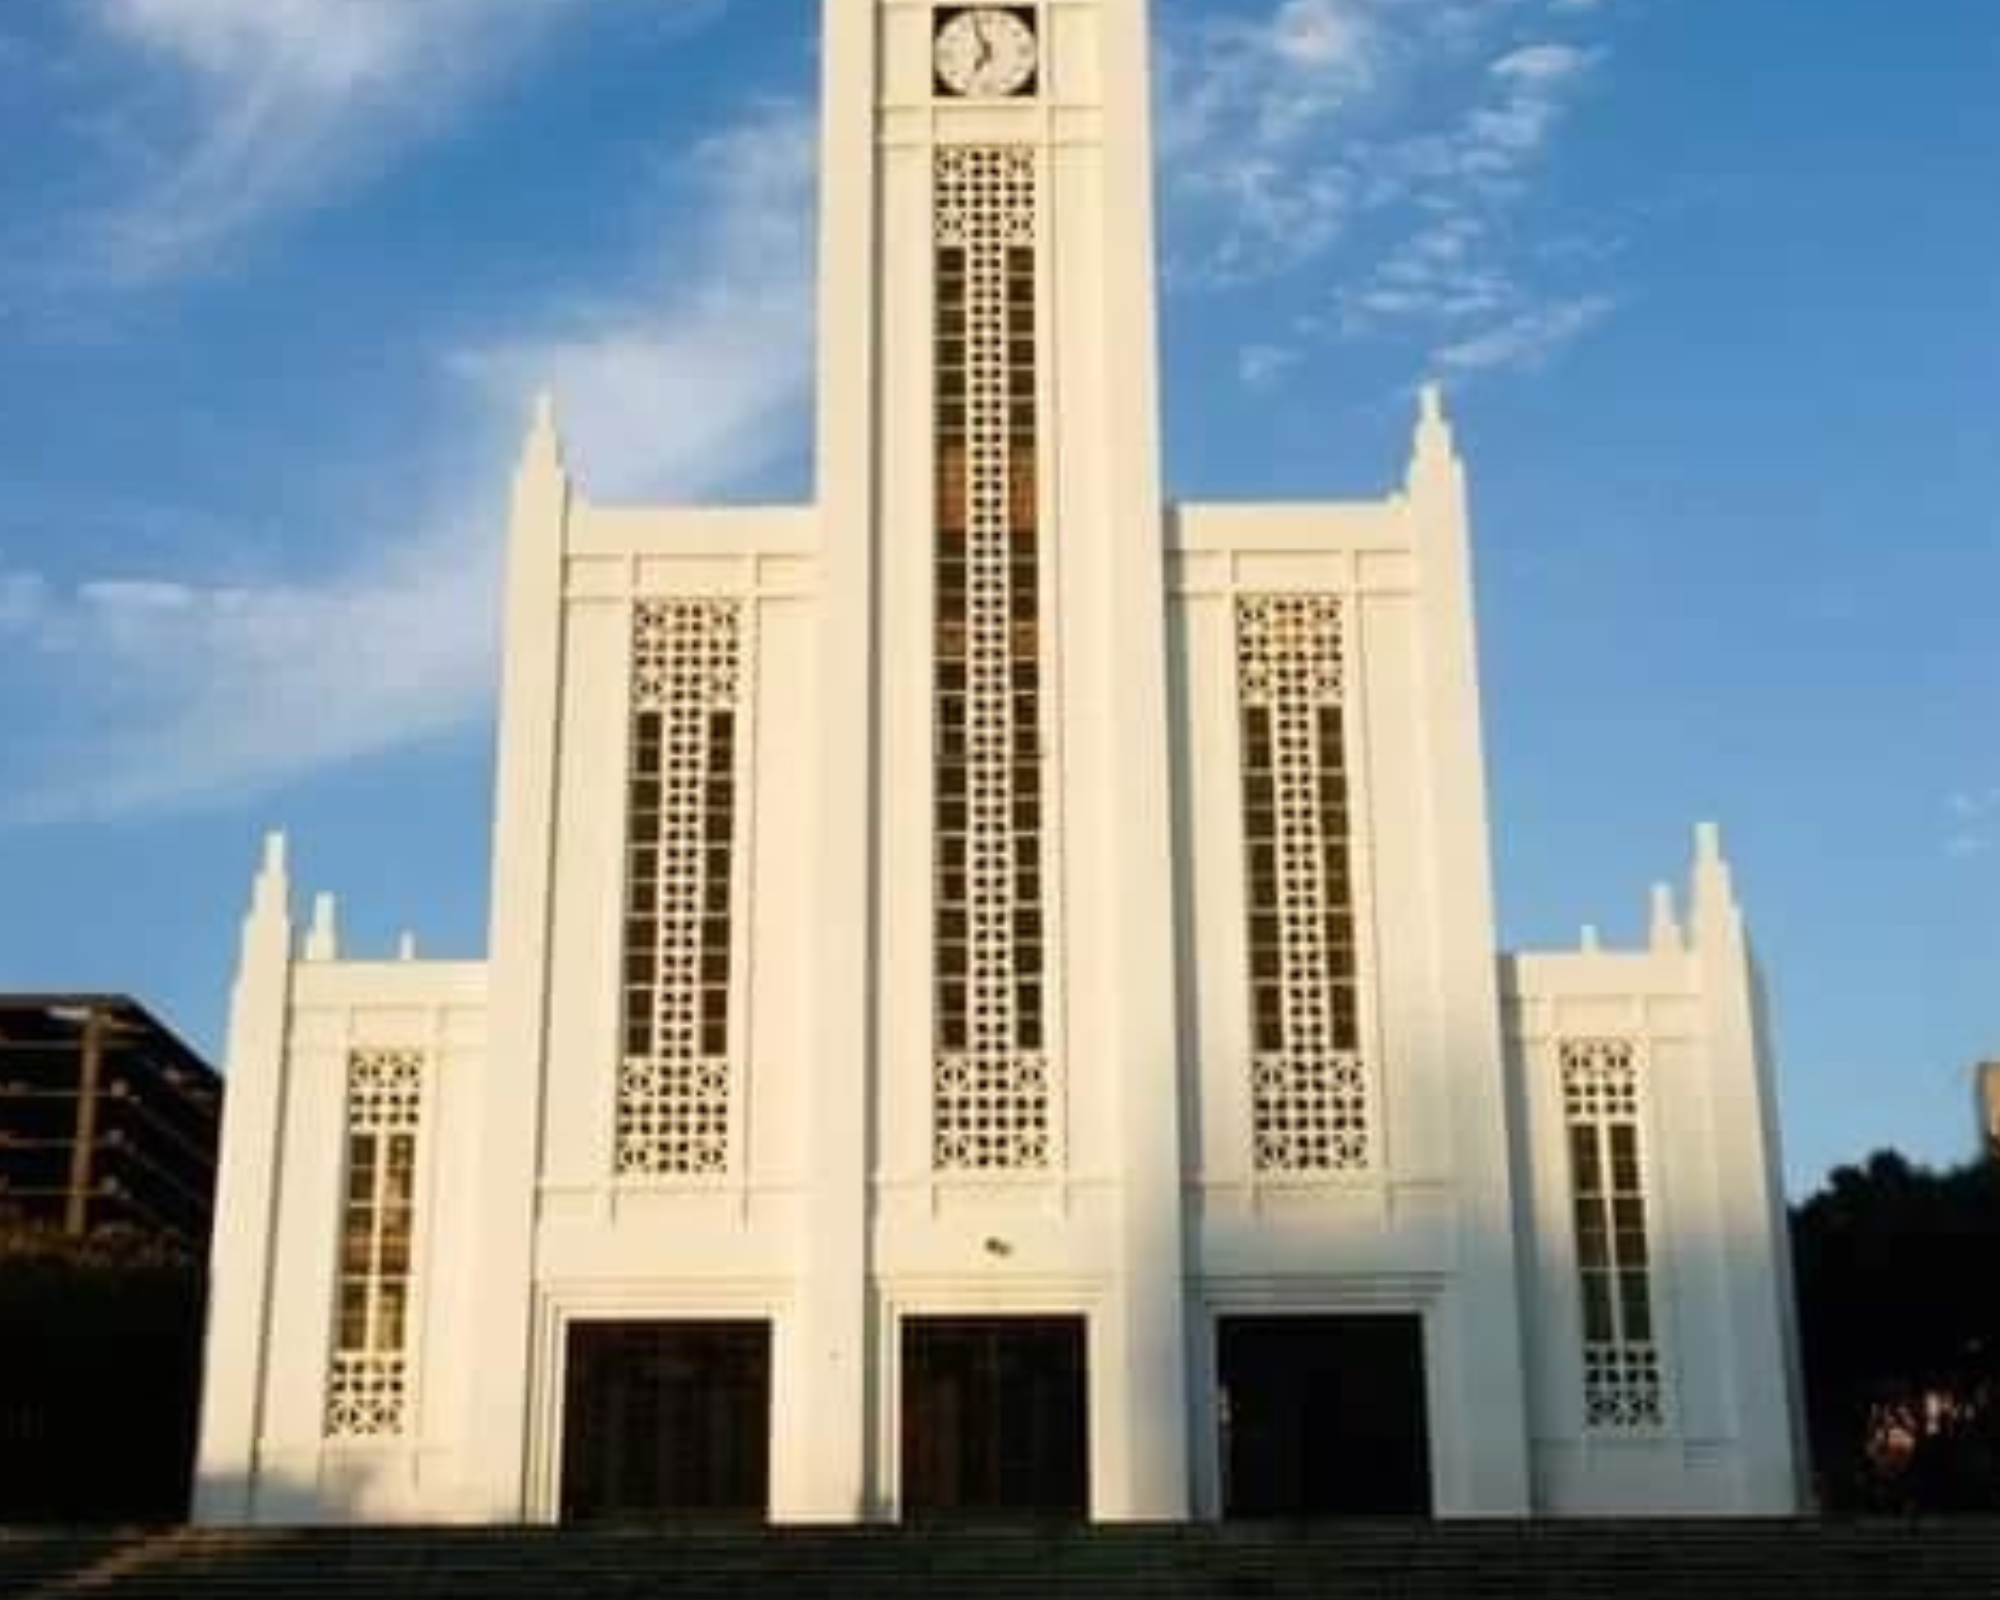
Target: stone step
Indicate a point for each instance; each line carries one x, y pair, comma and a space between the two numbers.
1325, 1561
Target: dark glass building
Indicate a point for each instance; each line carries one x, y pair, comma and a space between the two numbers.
106, 1118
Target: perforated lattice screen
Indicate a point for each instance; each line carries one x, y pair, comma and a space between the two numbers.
1623, 1386
993, 1091
1311, 1103
675, 1081
368, 1386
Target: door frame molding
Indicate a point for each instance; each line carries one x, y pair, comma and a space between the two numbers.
1418, 1295
1086, 1299
558, 1306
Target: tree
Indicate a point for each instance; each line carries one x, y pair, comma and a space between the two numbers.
100, 1367
1899, 1301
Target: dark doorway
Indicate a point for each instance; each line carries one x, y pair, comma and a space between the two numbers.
995, 1417
667, 1420
1323, 1416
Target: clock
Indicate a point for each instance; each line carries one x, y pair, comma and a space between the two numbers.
985, 52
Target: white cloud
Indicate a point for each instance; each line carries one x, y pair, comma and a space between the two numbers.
1527, 340
277, 98
677, 387
1263, 366
1241, 102
22, 598
1541, 64
185, 693
1310, 129
1322, 35
1975, 822
1416, 129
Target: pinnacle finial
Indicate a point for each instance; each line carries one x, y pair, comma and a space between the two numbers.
1430, 404
544, 444
1666, 923
1714, 883
323, 936
1433, 449
271, 889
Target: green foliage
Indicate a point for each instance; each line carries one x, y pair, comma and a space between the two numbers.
100, 1345
1899, 1297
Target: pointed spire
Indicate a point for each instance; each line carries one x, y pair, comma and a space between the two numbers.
271, 892
544, 447
270, 896
1714, 893
323, 937
1433, 450
1666, 924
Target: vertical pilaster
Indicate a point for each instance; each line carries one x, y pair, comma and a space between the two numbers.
1480, 1345
248, 1176
1135, 822
1757, 1267
827, 1436
524, 832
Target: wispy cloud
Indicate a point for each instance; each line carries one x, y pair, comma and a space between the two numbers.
260, 105
1242, 100
186, 693
1260, 366
676, 385
1526, 341
1388, 146
1974, 816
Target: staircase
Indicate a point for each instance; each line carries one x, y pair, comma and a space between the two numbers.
1774, 1560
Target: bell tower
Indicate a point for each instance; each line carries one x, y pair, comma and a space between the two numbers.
996, 991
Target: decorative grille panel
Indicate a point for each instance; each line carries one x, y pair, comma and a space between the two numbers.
1623, 1386
993, 1089
368, 1388
1310, 1097
675, 1080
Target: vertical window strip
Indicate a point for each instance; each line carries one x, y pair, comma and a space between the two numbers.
1622, 1373
1311, 1104
675, 1080
368, 1388
992, 1088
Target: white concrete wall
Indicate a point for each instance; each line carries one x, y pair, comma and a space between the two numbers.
1426, 1229
1721, 1265
285, 1469
831, 1220
1098, 1232
608, 1245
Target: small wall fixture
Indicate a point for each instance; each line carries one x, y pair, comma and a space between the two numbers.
998, 1247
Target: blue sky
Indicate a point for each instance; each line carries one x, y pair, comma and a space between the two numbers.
1712, 287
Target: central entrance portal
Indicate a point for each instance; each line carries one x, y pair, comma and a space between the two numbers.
1323, 1416
995, 1417
666, 1420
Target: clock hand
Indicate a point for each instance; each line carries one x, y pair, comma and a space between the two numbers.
985, 44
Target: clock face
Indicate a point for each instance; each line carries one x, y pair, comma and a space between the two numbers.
986, 51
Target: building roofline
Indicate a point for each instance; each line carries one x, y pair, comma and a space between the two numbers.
128, 1007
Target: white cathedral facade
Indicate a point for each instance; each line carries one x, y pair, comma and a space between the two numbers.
993, 1003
